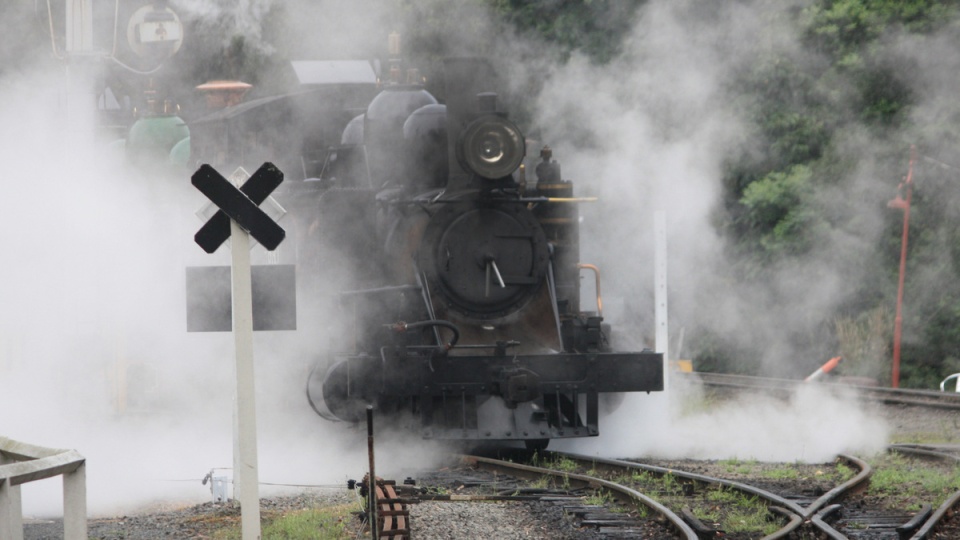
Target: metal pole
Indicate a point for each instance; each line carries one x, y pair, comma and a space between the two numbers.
660, 290
372, 483
245, 460
898, 320
79, 15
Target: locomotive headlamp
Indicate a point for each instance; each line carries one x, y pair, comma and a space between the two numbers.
491, 147
154, 31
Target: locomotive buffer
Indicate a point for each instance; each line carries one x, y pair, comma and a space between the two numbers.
240, 217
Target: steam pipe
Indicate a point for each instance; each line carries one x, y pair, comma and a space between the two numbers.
403, 327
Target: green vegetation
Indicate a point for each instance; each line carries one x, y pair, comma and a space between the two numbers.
600, 497
734, 512
309, 524
559, 463
846, 472
947, 435
738, 466
330, 523
781, 473
903, 484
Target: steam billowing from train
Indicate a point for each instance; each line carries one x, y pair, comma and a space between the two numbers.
94, 254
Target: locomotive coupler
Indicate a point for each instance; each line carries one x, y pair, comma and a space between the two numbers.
518, 386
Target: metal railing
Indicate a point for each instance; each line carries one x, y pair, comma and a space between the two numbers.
943, 383
21, 463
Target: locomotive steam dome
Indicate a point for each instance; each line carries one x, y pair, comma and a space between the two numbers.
425, 131
383, 128
353, 133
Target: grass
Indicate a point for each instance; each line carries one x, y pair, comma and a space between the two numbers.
738, 466
785, 473
543, 482
927, 437
328, 523
558, 463
845, 471
600, 497
736, 512
897, 479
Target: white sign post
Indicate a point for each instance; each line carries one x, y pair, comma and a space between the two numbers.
660, 290
245, 472
238, 199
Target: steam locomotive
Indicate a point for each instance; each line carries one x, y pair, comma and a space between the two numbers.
464, 297
461, 294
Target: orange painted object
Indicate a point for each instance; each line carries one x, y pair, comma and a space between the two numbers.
826, 368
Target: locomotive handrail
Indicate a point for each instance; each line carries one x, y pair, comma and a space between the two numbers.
21, 463
392, 288
596, 273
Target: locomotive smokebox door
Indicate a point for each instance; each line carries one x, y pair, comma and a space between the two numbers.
487, 261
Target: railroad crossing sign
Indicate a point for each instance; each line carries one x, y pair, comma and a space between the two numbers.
240, 217
241, 205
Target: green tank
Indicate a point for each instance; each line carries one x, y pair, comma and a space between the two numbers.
180, 155
151, 138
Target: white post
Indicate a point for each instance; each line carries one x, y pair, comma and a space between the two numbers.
80, 99
11, 511
79, 26
245, 451
75, 504
660, 290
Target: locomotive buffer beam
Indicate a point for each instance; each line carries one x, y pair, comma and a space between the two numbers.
548, 395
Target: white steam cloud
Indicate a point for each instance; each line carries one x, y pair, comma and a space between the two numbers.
94, 252
651, 131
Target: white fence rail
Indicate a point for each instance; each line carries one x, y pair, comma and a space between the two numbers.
943, 383
21, 463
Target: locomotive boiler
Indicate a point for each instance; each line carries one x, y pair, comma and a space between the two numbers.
463, 311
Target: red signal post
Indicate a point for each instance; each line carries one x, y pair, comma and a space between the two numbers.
903, 204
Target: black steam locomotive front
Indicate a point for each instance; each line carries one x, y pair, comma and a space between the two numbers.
469, 320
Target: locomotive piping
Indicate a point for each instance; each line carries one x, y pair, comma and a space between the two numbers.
402, 326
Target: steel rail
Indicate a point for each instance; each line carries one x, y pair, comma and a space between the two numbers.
793, 512
865, 472
947, 507
952, 503
921, 450
622, 492
789, 506
906, 396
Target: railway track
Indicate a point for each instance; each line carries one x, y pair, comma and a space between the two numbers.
897, 396
655, 501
